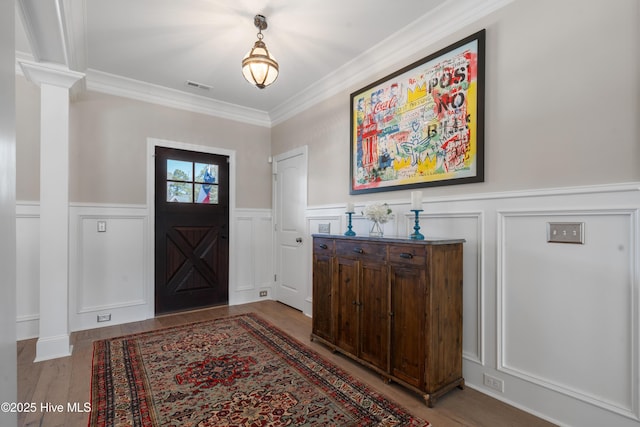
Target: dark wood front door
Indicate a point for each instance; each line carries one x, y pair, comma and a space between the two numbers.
191, 230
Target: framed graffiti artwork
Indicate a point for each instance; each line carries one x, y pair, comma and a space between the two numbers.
423, 125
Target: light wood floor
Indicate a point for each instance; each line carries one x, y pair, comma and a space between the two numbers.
69, 379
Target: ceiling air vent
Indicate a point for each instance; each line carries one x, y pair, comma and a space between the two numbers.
197, 85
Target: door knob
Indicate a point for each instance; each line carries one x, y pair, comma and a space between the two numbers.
298, 239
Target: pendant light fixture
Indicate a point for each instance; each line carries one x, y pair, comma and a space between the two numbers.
259, 67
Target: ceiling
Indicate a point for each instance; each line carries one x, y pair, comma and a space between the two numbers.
149, 49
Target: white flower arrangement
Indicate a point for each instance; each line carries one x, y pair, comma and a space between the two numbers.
378, 212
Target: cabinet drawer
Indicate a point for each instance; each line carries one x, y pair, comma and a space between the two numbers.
407, 254
323, 246
361, 250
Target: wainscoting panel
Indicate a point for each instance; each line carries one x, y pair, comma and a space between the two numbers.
111, 271
245, 276
27, 270
254, 255
109, 274
262, 244
567, 310
468, 226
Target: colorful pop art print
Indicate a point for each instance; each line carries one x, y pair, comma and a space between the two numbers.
423, 125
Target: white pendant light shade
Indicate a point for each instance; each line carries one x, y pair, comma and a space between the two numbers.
259, 67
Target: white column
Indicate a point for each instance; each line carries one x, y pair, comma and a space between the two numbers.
55, 83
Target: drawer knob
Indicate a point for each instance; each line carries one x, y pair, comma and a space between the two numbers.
358, 250
323, 246
406, 255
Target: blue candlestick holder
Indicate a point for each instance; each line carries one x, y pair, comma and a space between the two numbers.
349, 231
416, 234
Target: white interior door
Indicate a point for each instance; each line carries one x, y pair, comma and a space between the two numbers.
290, 202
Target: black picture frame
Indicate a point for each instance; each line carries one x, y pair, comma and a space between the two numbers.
423, 125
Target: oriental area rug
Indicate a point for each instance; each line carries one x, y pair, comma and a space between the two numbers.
234, 371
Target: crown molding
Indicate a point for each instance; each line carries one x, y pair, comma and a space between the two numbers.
48, 73
22, 57
403, 46
120, 86
445, 20
111, 84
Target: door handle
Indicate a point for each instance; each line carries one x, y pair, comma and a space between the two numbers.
298, 239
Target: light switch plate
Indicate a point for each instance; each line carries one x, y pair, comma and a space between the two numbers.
102, 226
565, 232
324, 228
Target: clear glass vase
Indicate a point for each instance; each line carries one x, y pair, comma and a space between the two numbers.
376, 229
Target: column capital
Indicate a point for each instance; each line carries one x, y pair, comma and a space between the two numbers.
49, 73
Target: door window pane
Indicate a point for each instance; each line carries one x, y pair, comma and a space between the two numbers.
179, 170
179, 192
206, 173
207, 193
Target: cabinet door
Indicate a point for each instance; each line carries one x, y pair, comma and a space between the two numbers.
374, 314
346, 282
322, 296
408, 329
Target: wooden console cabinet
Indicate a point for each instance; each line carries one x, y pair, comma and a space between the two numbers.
394, 305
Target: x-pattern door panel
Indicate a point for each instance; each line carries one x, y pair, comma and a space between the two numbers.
191, 258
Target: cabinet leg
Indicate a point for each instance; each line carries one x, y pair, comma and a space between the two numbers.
461, 385
429, 400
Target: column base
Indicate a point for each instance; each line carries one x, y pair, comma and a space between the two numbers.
53, 347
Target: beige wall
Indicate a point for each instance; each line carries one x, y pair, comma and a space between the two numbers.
324, 129
562, 104
108, 143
